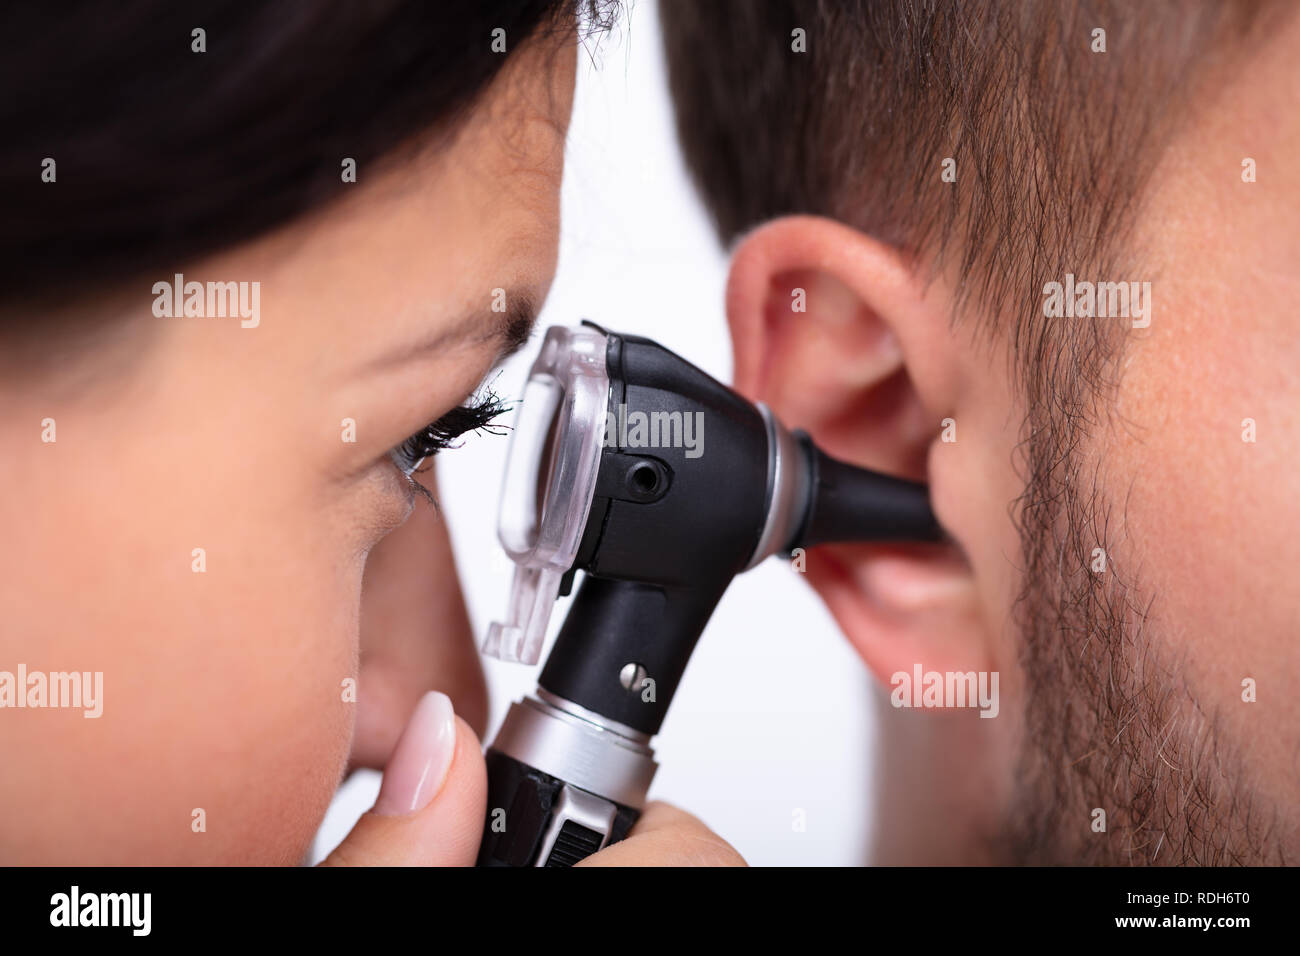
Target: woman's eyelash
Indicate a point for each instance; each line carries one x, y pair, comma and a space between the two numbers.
478, 414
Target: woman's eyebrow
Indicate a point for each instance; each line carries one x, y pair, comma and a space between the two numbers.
520, 318
509, 329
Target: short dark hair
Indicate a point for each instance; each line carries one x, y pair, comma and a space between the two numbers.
857, 126
164, 154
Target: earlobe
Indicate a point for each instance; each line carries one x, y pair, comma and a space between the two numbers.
903, 606
834, 332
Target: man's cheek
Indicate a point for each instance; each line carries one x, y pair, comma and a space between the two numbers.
974, 488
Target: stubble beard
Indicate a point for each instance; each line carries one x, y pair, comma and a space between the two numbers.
1110, 724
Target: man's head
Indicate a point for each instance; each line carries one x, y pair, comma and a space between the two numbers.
1113, 461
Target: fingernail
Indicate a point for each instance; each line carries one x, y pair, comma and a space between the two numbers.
421, 758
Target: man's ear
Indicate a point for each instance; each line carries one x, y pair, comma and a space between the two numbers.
837, 335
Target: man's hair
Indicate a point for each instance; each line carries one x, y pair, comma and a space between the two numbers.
848, 110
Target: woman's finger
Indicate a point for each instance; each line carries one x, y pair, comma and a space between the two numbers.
667, 836
433, 801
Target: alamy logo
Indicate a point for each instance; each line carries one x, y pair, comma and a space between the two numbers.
946, 689
71, 689
75, 908
179, 298
625, 429
1086, 300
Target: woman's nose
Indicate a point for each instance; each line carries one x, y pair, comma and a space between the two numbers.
415, 635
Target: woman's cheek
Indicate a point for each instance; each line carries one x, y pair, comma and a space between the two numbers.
272, 700
224, 727
262, 665
296, 715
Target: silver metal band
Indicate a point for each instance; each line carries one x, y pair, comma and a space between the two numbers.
600, 720
787, 481
578, 751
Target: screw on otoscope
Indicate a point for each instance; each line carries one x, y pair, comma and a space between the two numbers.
632, 676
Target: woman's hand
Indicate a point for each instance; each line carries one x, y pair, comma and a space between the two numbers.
667, 836
433, 803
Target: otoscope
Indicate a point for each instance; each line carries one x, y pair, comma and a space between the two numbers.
660, 484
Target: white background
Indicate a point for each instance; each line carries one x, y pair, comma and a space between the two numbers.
773, 716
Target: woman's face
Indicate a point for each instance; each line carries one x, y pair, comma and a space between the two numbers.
227, 671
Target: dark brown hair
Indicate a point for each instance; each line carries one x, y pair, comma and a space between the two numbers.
164, 153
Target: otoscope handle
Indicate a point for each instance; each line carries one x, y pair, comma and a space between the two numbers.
561, 784
535, 819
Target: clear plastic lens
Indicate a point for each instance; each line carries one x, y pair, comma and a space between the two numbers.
529, 465
550, 480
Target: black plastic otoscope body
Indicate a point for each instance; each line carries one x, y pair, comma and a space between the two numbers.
668, 529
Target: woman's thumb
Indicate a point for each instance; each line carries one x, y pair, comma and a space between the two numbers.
433, 801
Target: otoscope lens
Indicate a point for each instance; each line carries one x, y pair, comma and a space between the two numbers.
531, 463
546, 468
551, 472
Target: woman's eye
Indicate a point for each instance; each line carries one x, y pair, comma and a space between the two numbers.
478, 414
